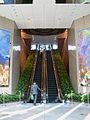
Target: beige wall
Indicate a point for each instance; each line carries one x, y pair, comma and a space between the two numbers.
15, 59
72, 58
79, 24
63, 47
25, 48
14, 56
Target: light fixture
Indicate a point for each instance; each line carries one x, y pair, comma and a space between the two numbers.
59, 18
17, 48
55, 38
32, 37
71, 47
29, 19
55, 46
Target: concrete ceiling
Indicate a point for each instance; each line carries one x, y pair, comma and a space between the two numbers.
44, 14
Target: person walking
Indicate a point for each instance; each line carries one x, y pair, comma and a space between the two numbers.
34, 91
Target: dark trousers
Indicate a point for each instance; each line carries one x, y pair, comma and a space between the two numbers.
35, 99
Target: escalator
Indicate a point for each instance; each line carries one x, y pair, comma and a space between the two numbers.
37, 75
52, 87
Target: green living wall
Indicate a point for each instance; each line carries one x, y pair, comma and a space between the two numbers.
64, 81
25, 78
23, 82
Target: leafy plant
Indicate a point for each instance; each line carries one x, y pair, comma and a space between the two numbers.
65, 83
5, 98
25, 80
64, 79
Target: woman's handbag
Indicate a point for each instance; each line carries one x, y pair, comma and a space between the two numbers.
31, 96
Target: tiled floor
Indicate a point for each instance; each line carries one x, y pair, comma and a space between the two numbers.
50, 111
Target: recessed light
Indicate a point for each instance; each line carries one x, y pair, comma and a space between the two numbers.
16, 15
15, 12
14, 9
59, 18
12, 6
74, 8
29, 19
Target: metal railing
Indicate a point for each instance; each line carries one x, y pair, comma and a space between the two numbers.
44, 80
32, 77
60, 95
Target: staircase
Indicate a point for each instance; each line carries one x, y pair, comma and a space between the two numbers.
52, 87
37, 76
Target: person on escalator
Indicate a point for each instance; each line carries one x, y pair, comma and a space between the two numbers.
34, 91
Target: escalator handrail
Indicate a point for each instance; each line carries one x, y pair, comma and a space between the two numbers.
60, 95
32, 76
44, 79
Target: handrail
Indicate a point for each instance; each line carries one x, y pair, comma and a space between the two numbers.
46, 76
44, 80
34, 67
44, 71
60, 95
32, 76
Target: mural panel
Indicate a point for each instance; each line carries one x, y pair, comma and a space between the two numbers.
84, 56
4, 57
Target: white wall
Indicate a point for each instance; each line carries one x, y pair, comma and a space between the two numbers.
14, 56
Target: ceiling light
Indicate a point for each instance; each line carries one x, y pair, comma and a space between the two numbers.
55, 38
12, 6
29, 19
59, 18
32, 37
14, 9
15, 12
16, 15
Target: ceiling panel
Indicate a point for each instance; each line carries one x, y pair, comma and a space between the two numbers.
5, 12
27, 11
44, 15
15, 12
21, 24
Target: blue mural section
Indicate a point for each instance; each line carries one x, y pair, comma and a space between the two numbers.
4, 56
8, 1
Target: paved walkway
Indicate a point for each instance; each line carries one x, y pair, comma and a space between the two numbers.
50, 111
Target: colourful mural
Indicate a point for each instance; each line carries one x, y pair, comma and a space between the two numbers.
4, 57
84, 56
